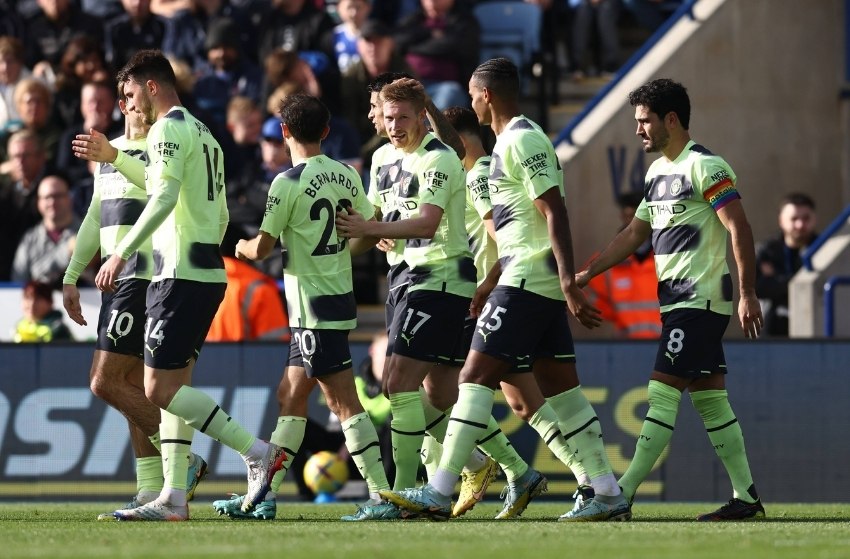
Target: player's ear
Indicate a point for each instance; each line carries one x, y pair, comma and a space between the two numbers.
152, 87
285, 130
325, 132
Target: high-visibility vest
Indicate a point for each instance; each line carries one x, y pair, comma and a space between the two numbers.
627, 295
252, 308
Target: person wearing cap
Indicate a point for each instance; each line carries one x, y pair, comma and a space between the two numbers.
227, 73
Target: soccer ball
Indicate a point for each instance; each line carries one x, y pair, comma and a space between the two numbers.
325, 472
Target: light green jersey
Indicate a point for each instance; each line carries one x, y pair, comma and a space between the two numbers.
433, 174
523, 167
301, 211
681, 199
386, 166
478, 205
115, 206
187, 210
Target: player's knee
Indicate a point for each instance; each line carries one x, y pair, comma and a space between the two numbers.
101, 386
521, 410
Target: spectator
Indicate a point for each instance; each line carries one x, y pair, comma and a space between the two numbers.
299, 26
778, 259
650, 14
45, 250
378, 55
353, 14
252, 308
136, 29
600, 15
33, 101
12, 71
51, 29
11, 24
41, 322
227, 72
284, 67
242, 146
97, 103
21, 173
441, 42
627, 293
82, 62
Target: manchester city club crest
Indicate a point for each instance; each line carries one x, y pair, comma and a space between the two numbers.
676, 187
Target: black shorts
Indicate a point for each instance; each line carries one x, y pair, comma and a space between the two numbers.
691, 343
121, 323
428, 326
397, 284
515, 325
179, 316
320, 352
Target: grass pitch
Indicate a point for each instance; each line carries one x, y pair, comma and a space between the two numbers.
69, 530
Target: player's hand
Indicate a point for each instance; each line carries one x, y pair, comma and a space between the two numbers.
108, 273
582, 279
482, 293
94, 146
242, 249
350, 224
385, 245
580, 307
71, 301
749, 313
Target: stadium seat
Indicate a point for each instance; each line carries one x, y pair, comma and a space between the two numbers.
512, 30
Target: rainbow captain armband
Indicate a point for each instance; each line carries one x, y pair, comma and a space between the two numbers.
721, 194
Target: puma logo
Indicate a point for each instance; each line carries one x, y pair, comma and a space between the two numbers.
151, 349
484, 334
404, 337
671, 357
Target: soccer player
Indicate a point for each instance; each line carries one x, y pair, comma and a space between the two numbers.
186, 217
532, 408
524, 316
690, 202
301, 211
425, 194
117, 372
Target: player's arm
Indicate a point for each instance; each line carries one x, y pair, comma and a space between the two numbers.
749, 310
258, 248
94, 146
551, 206
351, 224
443, 129
625, 243
86, 246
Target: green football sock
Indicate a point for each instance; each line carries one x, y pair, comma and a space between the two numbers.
407, 430
654, 435
436, 420
582, 431
288, 434
469, 419
725, 434
176, 451
201, 412
494, 442
545, 422
361, 439
149, 476
432, 453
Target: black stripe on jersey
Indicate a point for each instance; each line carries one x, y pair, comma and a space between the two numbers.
417, 243
407, 185
108, 169
176, 115
502, 216
497, 168
158, 262
334, 307
418, 274
206, 256
701, 149
397, 274
284, 257
660, 188
522, 124
295, 172
466, 269
505, 261
120, 211
673, 240
676, 290
551, 261
726, 287
436, 145
394, 215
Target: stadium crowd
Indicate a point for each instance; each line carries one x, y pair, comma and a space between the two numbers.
235, 60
